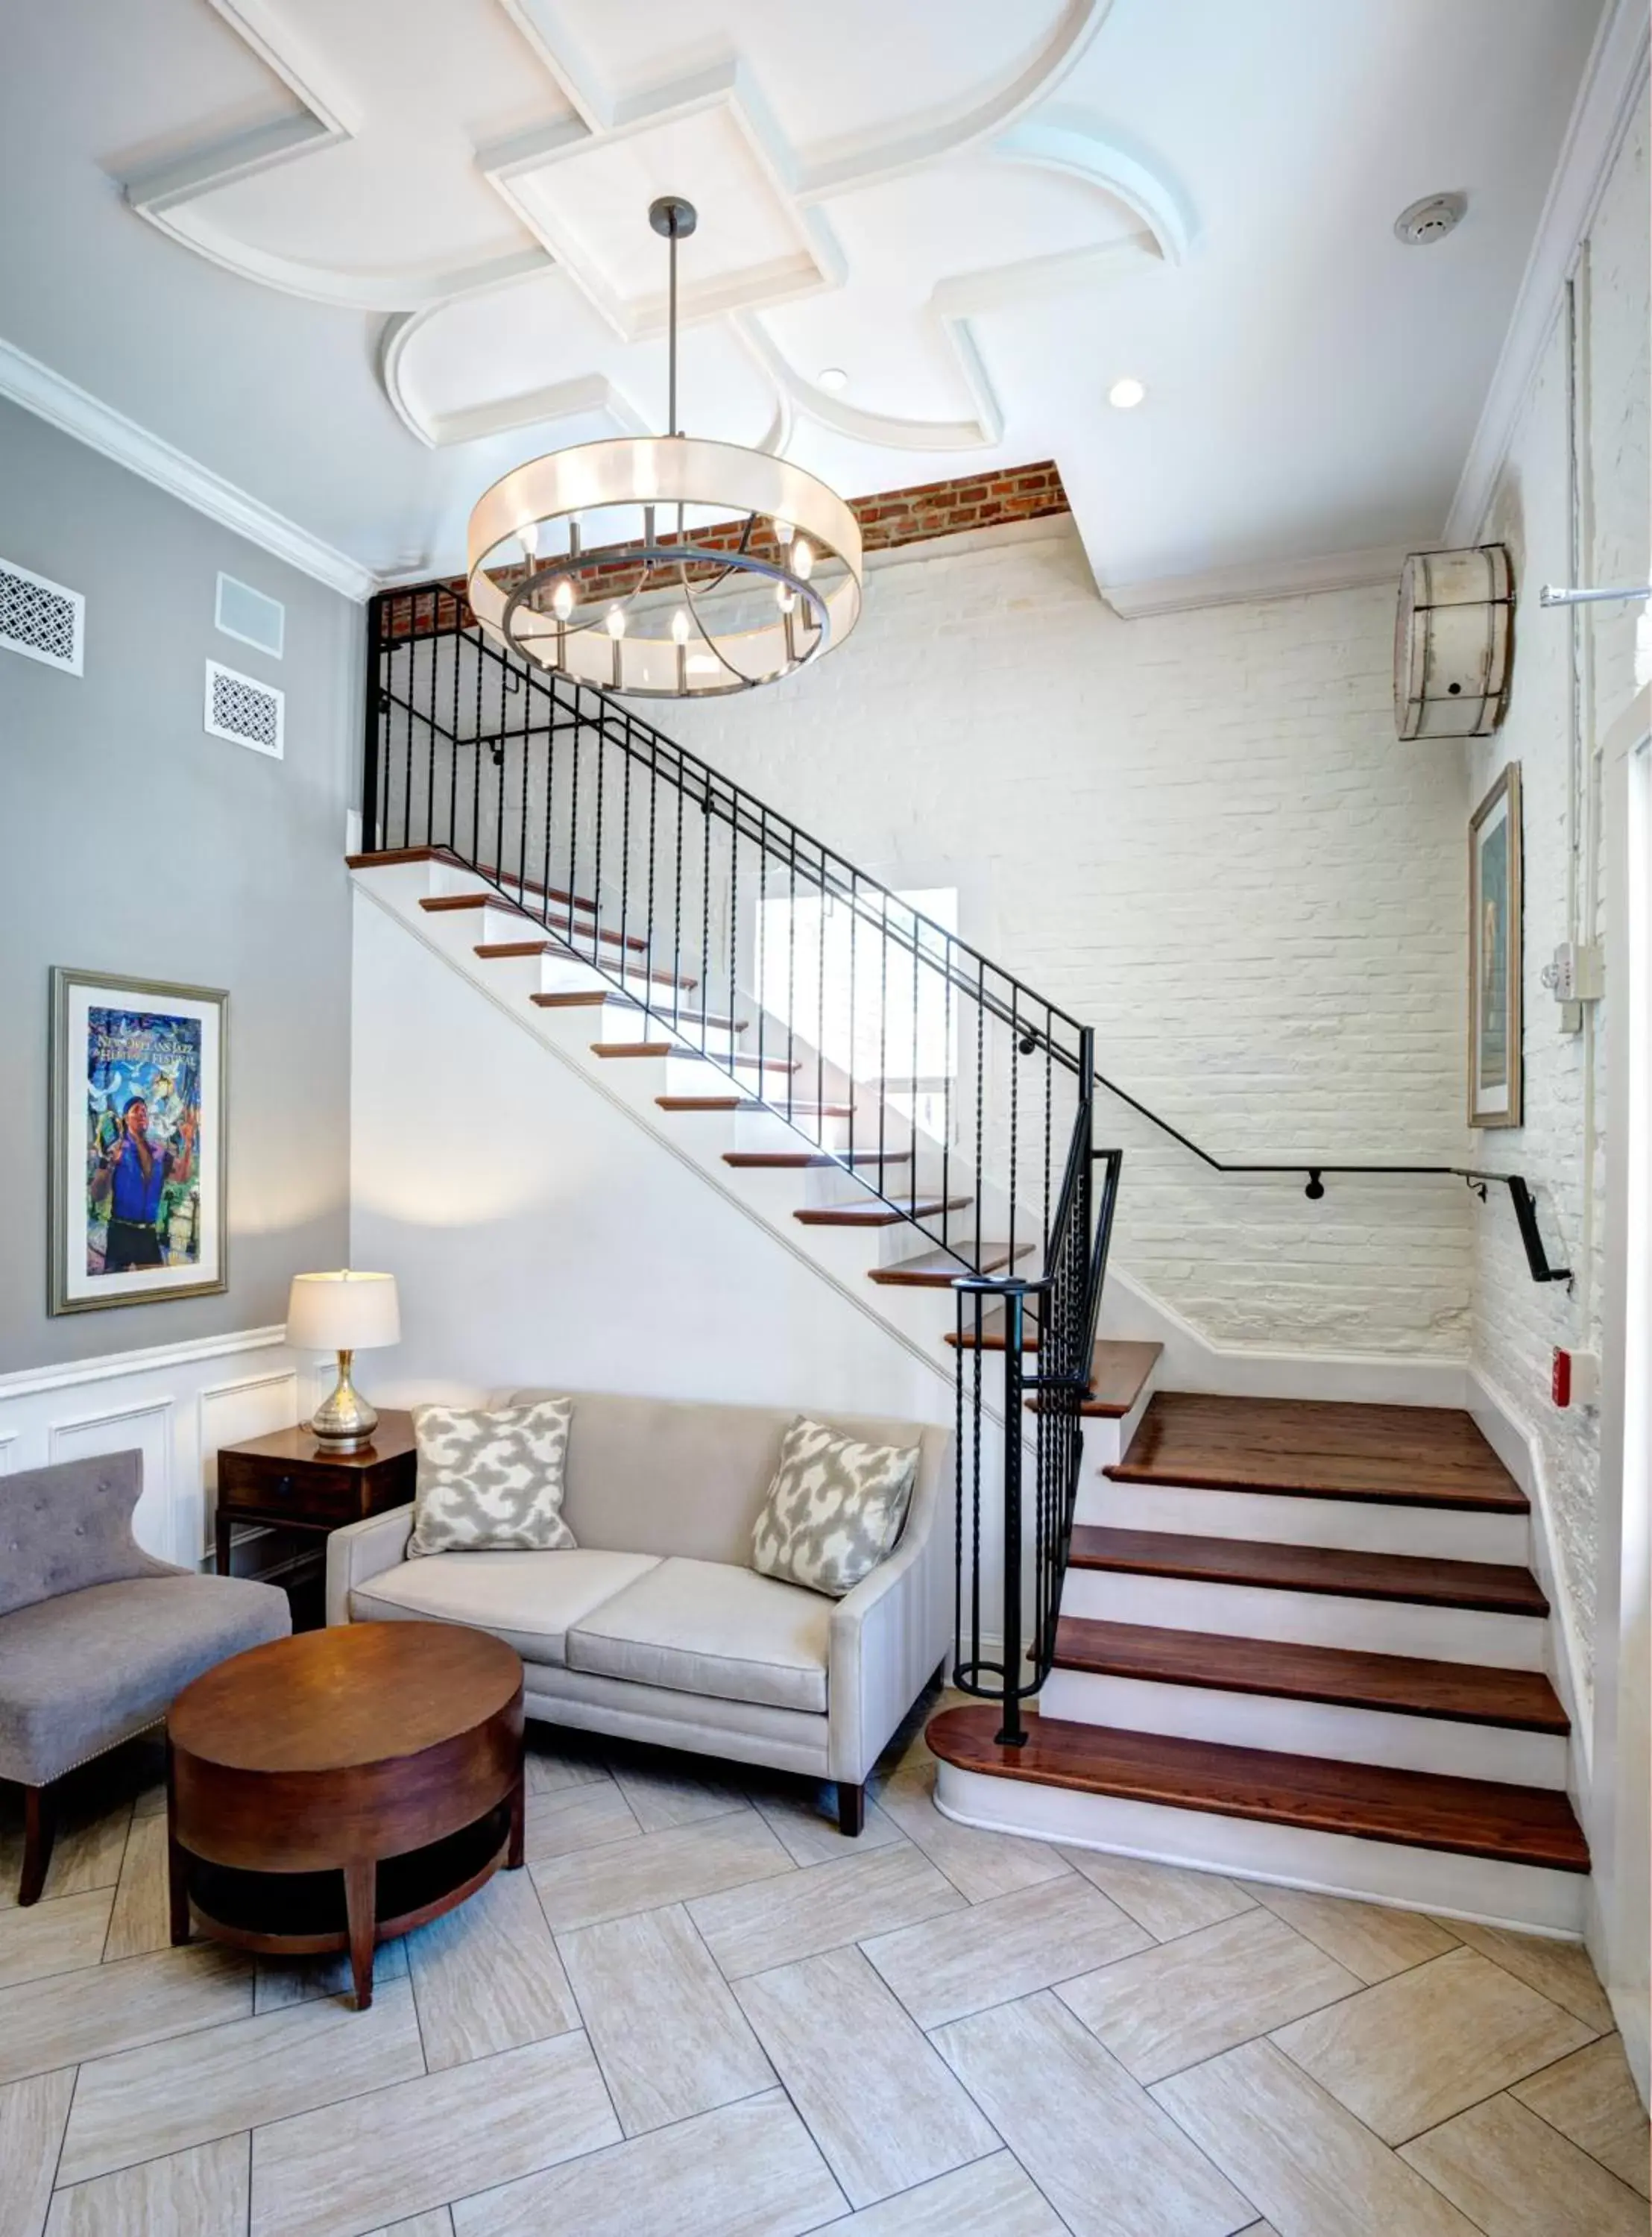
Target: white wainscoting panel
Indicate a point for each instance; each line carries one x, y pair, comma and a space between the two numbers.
176, 1404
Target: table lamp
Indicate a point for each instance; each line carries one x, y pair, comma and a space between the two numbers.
344, 1312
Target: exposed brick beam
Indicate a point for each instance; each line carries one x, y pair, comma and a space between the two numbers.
888, 519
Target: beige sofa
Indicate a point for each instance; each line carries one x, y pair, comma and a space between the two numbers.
656, 1627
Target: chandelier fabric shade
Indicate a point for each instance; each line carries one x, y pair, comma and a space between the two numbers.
666, 566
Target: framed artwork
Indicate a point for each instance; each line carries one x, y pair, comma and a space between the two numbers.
1495, 956
136, 1133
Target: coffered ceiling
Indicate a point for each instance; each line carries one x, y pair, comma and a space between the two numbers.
358, 257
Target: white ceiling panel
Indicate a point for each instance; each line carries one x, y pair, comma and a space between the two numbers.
358, 257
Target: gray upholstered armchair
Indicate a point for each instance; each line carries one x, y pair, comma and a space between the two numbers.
96, 1636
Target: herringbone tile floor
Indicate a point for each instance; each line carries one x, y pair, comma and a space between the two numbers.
700, 2011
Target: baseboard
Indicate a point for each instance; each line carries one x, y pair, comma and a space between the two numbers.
1517, 1446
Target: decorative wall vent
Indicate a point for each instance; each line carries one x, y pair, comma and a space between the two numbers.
244, 710
248, 614
40, 620
1454, 643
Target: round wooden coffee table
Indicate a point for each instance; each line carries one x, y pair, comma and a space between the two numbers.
332, 1790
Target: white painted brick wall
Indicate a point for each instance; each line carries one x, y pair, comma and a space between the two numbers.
1516, 1324
1198, 832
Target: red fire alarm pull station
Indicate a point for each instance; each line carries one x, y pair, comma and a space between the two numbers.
1576, 1380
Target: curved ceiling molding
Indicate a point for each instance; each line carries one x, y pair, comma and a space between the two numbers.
953, 304
881, 428
1063, 141
869, 159
558, 180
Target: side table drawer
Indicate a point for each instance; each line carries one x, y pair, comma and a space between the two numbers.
316, 1495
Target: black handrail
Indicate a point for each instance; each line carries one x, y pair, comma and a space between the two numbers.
1525, 1210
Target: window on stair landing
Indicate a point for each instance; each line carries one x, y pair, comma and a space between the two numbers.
867, 987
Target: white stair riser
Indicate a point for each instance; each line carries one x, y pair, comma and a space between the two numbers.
1291, 1727
1507, 1642
1278, 1519
1527, 1897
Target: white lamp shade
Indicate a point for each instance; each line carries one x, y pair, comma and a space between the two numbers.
345, 1311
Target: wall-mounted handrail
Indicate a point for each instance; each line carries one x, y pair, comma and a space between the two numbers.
1315, 1169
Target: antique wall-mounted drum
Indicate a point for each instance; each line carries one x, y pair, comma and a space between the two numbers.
1454, 643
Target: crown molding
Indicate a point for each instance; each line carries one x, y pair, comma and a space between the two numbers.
52, 398
1255, 580
1612, 81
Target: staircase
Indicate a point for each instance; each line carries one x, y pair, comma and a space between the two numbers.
1299, 1642
1292, 1639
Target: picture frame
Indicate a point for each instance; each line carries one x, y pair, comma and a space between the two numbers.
1495, 958
137, 1141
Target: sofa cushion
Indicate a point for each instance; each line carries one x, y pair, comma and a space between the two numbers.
527, 1600
708, 1628
65, 1528
87, 1669
834, 1510
491, 1481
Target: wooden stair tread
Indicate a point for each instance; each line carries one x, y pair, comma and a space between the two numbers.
687, 1055
490, 951
1417, 1455
444, 904
1119, 1368
1516, 1700
1500, 1587
880, 1212
750, 1103
1414, 1809
992, 1329
388, 855
799, 1158
939, 1270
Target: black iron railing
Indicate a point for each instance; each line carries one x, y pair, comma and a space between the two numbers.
791, 982
1314, 1172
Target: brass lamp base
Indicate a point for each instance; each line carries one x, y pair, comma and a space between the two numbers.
345, 1422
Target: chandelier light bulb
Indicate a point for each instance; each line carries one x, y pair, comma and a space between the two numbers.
562, 599
802, 557
834, 379
679, 625
615, 624
783, 533
529, 534
785, 597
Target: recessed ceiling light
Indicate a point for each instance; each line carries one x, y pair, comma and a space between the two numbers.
1124, 395
834, 377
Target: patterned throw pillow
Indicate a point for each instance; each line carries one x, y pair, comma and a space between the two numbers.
834, 1510
491, 1483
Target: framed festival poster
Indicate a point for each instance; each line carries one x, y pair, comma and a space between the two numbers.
136, 1134
1495, 956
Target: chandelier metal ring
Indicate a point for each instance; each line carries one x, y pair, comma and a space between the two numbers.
644, 565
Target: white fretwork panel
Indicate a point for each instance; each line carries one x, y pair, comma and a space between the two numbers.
40, 620
244, 710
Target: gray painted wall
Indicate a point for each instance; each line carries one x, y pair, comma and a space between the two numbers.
131, 841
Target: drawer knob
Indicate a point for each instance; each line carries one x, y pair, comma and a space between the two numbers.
284, 1487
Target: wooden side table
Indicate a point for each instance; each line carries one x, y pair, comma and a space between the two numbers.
290, 1479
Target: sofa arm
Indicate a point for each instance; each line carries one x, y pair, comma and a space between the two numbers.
363, 1549
889, 1635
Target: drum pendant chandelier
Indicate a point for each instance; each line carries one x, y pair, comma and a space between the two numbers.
661, 566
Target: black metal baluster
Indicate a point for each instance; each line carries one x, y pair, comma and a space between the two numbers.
883, 1036
790, 968
980, 1103
820, 1011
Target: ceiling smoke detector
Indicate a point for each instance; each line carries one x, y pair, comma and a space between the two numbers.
1429, 220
